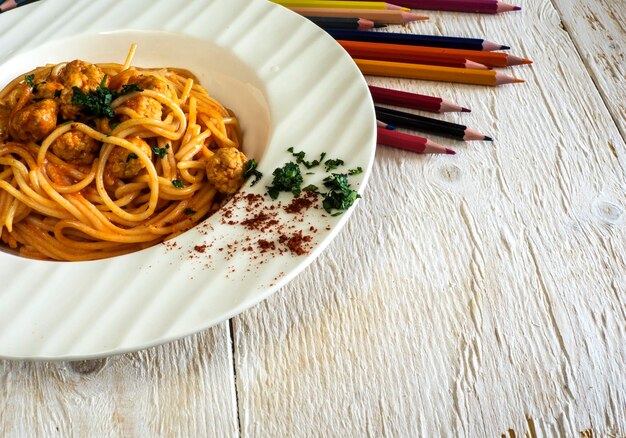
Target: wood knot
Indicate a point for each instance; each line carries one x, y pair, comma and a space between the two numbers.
607, 211
88, 366
450, 173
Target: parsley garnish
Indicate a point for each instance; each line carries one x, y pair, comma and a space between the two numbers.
98, 102
300, 158
251, 171
131, 156
160, 152
113, 125
310, 188
340, 196
189, 211
286, 179
129, 88
333, 164
177, 183
355, 171
30, 79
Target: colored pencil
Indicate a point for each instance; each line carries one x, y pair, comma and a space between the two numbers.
406, 53
417, 40
409, 142
343, 4
384, 125
402, 119
388, 96
416, 59
344, 23
376, 15
434, 73
478, 6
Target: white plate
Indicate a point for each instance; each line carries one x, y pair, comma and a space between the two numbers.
290, 84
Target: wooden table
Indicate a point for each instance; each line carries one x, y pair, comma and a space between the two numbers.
477, 295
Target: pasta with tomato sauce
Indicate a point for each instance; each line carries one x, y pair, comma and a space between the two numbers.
99, 160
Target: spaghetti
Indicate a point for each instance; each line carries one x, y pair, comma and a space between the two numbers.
99, 160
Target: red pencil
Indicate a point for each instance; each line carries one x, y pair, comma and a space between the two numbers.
410, 142
479, 6
404, 99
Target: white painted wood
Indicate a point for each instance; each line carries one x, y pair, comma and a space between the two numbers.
475, 295
597, 29
185, 389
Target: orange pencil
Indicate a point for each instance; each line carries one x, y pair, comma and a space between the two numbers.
376, 15
408, 53
433, 73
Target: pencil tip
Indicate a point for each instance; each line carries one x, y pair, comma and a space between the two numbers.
487, 138
505, 48
450, 152
465, 110
518, 81
517, 8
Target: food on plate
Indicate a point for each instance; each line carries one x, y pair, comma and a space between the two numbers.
99, 160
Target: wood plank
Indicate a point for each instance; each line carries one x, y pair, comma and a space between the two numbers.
185, 388
598, 30
475, 295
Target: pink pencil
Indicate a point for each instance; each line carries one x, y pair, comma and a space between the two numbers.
410, 142
479, 6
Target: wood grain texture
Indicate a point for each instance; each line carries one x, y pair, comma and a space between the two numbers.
598, 29
185, 388
475, 295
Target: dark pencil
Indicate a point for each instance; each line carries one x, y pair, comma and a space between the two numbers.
433, 104
416, 40
344, 23
406, 120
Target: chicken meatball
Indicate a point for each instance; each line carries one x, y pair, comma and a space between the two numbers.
147, 106
76, 147
79, 74
34, 122
122, 164
225, 169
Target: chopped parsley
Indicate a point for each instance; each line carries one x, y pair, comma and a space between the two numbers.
177, 183
189, 211
286, 179
30, 80
355, 171
113, 125
131, 156
98, 102
333, 164
300, 158
160, 152
340, 196
252, 171
310, 188
129, 88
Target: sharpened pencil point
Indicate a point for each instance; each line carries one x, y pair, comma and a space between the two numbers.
518, 81
505, 48
466, 110
487, 138
450, 152
517, 8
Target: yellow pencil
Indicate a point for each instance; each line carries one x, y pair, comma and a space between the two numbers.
338, 4
433, 73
